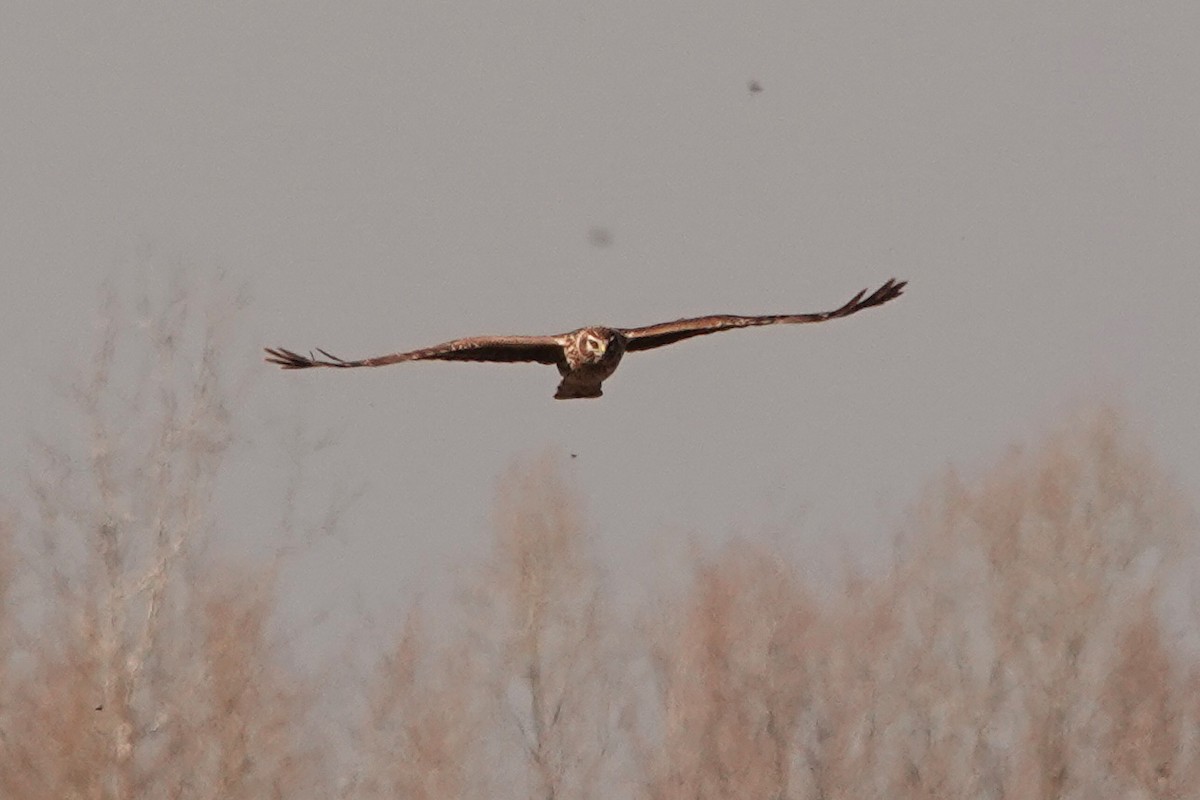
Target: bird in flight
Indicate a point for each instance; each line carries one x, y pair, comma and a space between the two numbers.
584, 357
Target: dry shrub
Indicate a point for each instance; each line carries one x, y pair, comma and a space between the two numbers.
419, 735
1144, 735
252, 711
733, 680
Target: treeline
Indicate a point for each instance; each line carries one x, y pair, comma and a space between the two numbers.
1032, 639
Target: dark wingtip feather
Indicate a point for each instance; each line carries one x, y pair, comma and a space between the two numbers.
889, 291
288, 360
332, 357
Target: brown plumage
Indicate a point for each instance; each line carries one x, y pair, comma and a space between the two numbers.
585, 357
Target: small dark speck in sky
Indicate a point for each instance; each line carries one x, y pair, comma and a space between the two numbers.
754, 86
600, 236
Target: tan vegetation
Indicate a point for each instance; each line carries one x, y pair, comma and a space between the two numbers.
1018, 647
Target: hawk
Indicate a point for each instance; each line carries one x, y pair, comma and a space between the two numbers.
584, 357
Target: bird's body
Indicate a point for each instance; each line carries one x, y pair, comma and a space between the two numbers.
587, 356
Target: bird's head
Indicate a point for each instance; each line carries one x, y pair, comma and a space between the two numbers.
594, 344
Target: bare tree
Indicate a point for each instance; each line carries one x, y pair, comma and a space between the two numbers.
512, 691
140, 672
554, 679
422, 723
1013, 650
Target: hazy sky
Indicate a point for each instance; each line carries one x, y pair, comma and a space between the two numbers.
389, 175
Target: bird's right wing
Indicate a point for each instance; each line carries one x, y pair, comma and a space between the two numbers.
541, 349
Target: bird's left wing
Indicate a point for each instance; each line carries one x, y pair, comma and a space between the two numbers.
670, 332
542, 349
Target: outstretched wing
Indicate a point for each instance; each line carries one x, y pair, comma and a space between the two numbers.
542, 349
670, 332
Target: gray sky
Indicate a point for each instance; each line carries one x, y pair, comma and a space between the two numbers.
388, 175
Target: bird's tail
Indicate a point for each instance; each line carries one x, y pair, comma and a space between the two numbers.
572, 388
